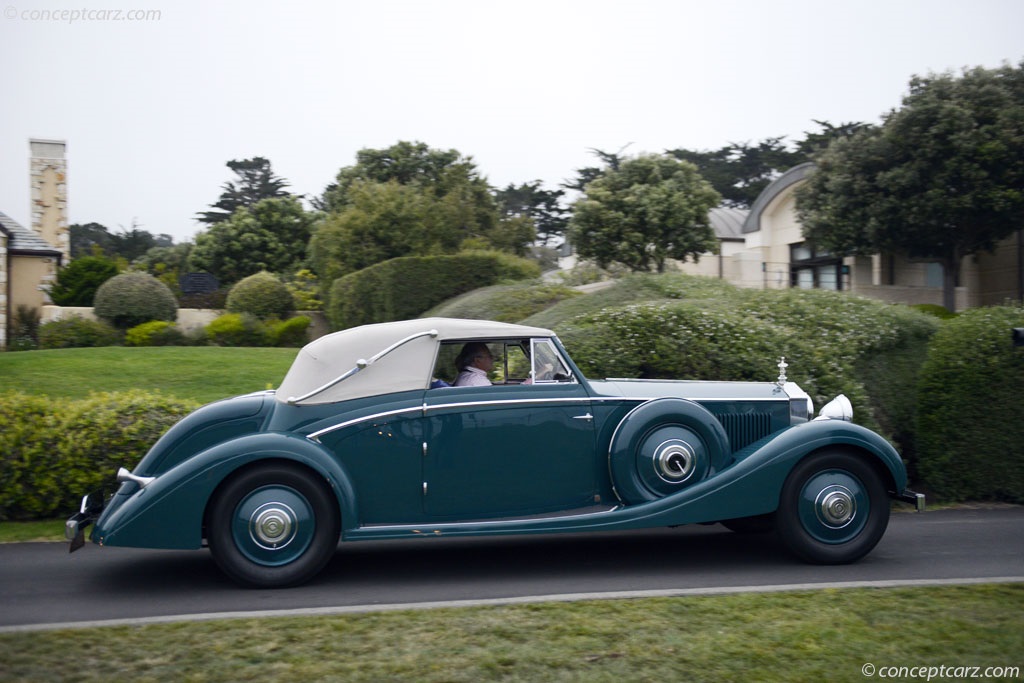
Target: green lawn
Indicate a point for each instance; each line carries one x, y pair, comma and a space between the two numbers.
833, 635
203, 373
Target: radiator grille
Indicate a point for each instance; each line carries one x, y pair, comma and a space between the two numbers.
744, 429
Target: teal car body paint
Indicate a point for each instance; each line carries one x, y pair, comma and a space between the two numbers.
366, 440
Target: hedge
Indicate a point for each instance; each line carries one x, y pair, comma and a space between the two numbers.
505, 303
970, 426
405, 287
53, 452
682, 327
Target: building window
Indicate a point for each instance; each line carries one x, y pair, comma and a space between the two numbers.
812, 268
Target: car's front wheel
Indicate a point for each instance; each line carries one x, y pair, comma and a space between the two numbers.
833, 509
273, 525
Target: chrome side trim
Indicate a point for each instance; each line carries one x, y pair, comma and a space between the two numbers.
361, 364
315, 436
505, 402
583, 400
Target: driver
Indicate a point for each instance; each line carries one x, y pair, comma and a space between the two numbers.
473, 363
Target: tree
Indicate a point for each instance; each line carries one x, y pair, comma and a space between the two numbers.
587, 175
270, 235
542, 207
408, 163
651, 209
77, 282
385, 220
408, 200
741, 171
942, 177
85, 237
256, 182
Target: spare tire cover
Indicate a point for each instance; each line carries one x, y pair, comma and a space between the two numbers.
664, 446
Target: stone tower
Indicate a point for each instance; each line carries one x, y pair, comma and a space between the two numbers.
48, 174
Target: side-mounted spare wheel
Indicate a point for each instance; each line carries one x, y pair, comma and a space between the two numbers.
273, 525
664, 446
833, 508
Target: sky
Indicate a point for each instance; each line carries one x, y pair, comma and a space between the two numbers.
153, 98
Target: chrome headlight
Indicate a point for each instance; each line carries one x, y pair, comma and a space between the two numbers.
838, 408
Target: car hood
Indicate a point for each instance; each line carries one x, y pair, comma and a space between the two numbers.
644, 389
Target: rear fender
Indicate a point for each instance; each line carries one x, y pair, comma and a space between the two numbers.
169, 511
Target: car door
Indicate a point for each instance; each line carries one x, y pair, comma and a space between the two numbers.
508, 450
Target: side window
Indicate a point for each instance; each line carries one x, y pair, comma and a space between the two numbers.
548, 365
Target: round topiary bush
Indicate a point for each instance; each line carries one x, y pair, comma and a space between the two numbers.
131, 299
261, 295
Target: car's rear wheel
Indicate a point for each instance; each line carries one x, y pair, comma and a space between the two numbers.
273, 525
834, 508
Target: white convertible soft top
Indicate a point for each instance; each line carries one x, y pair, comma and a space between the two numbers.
382, 358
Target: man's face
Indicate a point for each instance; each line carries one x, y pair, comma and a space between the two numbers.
484, 360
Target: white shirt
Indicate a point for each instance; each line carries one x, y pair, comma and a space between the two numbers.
472, 377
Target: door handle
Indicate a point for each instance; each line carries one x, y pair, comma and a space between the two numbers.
586, 417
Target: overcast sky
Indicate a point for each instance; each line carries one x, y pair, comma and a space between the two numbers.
152, 107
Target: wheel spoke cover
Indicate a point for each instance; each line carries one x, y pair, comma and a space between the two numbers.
273, 525
834, 506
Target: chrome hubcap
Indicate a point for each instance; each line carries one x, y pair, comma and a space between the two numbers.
272, 525
676, 461
835, 506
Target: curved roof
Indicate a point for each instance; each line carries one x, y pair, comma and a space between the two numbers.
382, 358
780, 184
727, 222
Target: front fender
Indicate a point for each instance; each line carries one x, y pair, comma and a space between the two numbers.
168, 512
752, 484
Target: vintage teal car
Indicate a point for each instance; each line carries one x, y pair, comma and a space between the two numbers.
365, 440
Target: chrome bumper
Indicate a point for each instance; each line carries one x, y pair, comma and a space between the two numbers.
90, 510
915, 499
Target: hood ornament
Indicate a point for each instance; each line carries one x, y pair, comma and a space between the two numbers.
781, 381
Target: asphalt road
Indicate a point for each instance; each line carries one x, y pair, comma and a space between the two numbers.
40, 584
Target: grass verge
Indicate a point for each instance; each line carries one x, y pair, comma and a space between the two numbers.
205, 373
801, 636
23, 532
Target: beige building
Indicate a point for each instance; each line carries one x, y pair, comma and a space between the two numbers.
773, 254
29, 258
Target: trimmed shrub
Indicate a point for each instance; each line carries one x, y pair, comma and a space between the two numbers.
970, 431
51, 453
154, 333
676, 326
236, 329
405, 287
78, 282
261, 295
505, 303
292, 332
77, 332
131, 299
